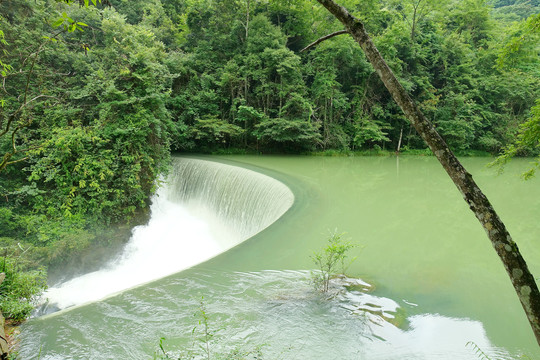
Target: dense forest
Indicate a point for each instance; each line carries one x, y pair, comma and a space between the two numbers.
96, 96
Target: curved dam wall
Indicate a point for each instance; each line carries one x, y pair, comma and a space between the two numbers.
202, 209
244, 201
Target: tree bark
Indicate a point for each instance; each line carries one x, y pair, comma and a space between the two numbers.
399, 142
516, 267
247, 20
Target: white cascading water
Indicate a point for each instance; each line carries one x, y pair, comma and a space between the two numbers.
203, 209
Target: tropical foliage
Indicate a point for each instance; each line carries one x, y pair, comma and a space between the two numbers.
19, 290
96, 94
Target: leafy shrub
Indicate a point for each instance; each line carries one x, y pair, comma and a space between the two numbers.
331, 260
212, 132
20, 289
288, 135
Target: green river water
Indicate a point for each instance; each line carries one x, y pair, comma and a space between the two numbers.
430, 265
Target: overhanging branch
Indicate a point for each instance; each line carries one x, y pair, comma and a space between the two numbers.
18, 161
329, 36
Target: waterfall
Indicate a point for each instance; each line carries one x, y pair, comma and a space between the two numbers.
242, 200
203, 209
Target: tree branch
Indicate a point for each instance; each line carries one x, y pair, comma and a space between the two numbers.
34, 60
329, 36
23, 105
5, 161
16, 161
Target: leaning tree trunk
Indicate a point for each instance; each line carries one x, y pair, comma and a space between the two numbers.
516, 267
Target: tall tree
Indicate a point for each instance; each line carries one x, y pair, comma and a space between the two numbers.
520, 54
414, 11
516, 267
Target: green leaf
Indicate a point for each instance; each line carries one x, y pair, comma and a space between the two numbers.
58, 22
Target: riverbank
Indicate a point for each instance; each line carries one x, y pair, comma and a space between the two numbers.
4, 348
9, 341
341, 152
8, 332
3, 340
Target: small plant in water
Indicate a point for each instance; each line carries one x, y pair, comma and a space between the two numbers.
207, 334
479, 352
331, 260
203, 351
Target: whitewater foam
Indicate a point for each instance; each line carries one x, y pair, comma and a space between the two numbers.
203, 209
